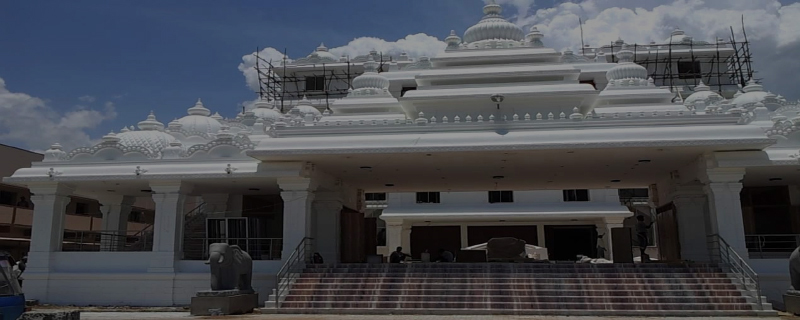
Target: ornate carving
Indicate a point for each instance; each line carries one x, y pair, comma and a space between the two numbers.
240, 141
92, 151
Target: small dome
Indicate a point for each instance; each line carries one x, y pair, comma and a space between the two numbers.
453, 40
266, 110
322, 52
702, 92
678, 36
304, 107
493, 27
534, 38
752, 93
370, 78
626, 68
151, 123
198, 120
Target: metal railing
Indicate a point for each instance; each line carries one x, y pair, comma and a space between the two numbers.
104, 240
292, 268
772, 246
258, 248
727, 256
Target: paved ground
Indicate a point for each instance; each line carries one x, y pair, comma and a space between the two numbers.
183, 315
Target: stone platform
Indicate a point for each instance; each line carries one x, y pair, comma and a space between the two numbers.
791, 299
227, 302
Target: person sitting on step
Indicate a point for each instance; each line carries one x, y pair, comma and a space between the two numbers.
398, 256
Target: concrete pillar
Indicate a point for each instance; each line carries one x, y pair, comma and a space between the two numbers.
406, 238
327, 227
170, 199
115, 209
298, 195
216, 204
603, 242
725, 206
394, 235
50, 201
690, 209
540, 236
611, 223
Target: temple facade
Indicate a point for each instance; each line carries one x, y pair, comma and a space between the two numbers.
498, 135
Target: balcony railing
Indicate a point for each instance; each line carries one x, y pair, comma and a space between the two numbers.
258, 248
772, 246
108, 241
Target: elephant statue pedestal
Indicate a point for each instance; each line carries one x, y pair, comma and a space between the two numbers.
791, 300
224, 302
231, 288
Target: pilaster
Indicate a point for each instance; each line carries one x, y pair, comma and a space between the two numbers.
725, 207
50, 201
327, 226
297, 194
611, 223
169, 198
394, 235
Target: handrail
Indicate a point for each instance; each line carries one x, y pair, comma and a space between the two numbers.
284, 277
728, 256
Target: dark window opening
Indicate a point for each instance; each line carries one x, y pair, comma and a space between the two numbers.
406, 89
689, 70
81, 208
501, 196
589, 82
576, 195
135, 216
375, 196
633, 193
427, 197
8, 198
315, 83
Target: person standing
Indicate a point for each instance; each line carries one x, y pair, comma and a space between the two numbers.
642, 231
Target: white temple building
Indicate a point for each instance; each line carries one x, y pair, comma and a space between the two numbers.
498, 135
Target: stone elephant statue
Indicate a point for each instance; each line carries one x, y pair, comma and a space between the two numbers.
794, 268
231, 268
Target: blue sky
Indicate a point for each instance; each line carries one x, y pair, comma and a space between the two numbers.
160, 55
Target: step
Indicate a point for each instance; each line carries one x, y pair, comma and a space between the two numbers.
514, 299
565, 305
540, 312
515, 281
517, 275
581, 292
477, 268
533, 265
529, 288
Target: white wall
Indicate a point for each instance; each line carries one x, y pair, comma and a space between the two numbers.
525, 197
121, 278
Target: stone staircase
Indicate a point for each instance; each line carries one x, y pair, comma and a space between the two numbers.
653, 289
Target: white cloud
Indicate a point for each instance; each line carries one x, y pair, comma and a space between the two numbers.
415, 45
87, 99
773, 29
29, 122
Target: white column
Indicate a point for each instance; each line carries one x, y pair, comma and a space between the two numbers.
464, 236
612, 223
540, 237
297, 194
47, 232
115, 209
394, 235
603, 242
690, 209
327, 227
405, 236
216, 204
725, 206
169, 198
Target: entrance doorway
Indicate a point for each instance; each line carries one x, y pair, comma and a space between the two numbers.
565, 243
433, 238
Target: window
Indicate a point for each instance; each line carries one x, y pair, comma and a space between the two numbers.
406, 89
689, 69
576, 195
315, 83
81, 208
8, 198
501, 196
427, 197
375, 196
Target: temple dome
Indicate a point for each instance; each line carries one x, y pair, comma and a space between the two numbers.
493, 27
266, 110
199, 120
626, 68
149, 136
304, 107
370, 78
322, 52
702, 92
752, 93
